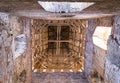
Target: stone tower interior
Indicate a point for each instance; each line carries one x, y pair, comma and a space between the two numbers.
57, 41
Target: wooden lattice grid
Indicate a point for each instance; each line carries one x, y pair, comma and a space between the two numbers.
74, 60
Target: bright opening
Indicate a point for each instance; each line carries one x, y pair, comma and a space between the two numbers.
101, 35
64, 7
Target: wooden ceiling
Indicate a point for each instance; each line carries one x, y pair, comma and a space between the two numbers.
58, 44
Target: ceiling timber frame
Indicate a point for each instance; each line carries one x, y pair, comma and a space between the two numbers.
42, 61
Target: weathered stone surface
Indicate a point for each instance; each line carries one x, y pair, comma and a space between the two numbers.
100, 51
106, 21
59, 77
99, 60
92, 23
33, 9
112, 65
112, 72
14, 70
20, 45
6, 64
20, 71
22, 56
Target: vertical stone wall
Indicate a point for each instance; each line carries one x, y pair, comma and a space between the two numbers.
99, 60
100, 53
18, 69
21, 49
6, 64
15, 49
112, 64
89, 52
18, 59
27, 31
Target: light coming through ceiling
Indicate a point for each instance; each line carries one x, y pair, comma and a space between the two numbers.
64, 7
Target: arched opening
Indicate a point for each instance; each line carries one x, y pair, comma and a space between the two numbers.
100, 36
100, 41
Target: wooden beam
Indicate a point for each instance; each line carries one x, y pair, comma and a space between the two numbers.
59, 41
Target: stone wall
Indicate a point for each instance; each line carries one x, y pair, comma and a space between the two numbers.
6, 62
100, 53
59, 77
99, 60
112, 72
112, 64
92, 23
15, 63
17, 68
21, 49
94, 55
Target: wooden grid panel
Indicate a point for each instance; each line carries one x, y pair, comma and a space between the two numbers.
42, 60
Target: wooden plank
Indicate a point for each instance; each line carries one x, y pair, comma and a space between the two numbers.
59, 41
